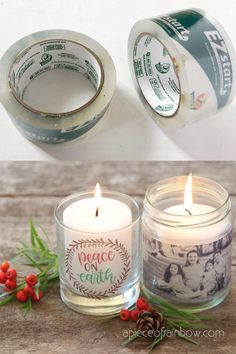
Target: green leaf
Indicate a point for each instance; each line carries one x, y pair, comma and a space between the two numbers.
33, 262
155, 343
130, 339
175, 312
44, 285
23, 244
36, 240
190, 325
207, 318
32, 233
52, 280
7, 299
36, 290
186, 324
27, 307
169, 309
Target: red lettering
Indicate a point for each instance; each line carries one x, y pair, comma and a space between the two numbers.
82, 257
95, 257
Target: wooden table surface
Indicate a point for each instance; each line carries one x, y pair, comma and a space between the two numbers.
34, 189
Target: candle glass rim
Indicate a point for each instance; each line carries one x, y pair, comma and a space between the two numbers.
189, 220
91, 193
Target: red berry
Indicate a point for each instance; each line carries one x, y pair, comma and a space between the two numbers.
31, 280
3, 277
134, 315
141, 304
36, 297
28, 291
125, 315
20, 295
10, 284
4, 266
11, 274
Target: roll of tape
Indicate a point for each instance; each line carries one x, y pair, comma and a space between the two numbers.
55, 49
183, 66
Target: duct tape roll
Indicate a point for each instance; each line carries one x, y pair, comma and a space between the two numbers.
183, 66
44, 51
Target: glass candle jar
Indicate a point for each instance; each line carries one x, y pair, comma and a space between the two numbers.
99, 252
187, 258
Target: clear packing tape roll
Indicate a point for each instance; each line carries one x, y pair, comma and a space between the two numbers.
55, 49
183, 66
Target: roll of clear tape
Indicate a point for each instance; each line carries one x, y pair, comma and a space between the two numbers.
55, 49
183, 66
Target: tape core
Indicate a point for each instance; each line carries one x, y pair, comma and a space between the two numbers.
156, 75
52, 54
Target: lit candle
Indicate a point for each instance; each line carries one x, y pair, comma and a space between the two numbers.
189, 208
97, 215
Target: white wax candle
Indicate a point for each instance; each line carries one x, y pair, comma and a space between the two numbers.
196, 209
192, 235
112, 215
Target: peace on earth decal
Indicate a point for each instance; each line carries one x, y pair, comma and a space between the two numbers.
97, 268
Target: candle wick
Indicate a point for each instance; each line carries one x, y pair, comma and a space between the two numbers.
188, 212
97, 210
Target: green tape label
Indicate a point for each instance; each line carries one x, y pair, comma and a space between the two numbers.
56, 136
156, 75
138, 67
206, 44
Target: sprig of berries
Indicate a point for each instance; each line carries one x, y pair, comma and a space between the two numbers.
141, 304
26, 290
32, 287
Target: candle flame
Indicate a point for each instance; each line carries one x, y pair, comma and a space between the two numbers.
97, 196
188, 194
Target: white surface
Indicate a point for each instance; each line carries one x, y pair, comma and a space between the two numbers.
128, 133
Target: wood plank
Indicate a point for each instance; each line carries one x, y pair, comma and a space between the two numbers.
52, 327
15, 213
57, 178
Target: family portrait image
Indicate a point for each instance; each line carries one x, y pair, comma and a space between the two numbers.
188, 272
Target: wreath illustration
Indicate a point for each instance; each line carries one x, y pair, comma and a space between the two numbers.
118, 247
